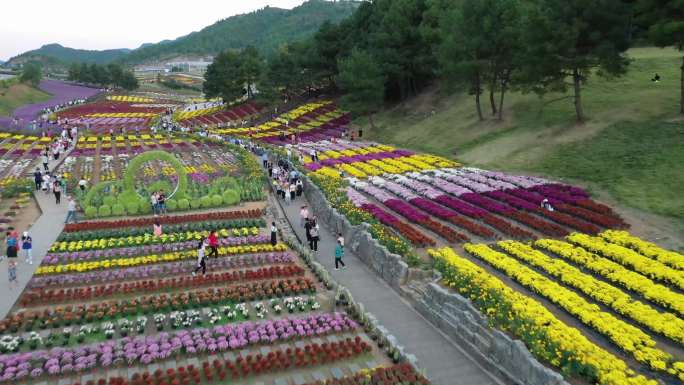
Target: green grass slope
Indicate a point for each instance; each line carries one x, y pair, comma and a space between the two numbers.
14, 94
631, 147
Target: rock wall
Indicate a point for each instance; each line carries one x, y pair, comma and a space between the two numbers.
500, 354
387, 265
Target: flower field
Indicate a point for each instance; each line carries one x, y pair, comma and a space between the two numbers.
127, 311
217, 115
130, 114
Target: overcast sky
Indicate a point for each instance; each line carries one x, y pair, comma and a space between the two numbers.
92, 24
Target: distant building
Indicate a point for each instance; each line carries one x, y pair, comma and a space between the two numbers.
188, 66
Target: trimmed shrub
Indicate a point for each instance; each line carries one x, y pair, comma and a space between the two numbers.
205, 202
216, 200
231, 197
144, 206
183, 204
194, 204
118, 210
91, 212
108, 200
172, 204
104, 211
132, 208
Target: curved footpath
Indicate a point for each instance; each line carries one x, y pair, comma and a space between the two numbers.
444, 361
44, 232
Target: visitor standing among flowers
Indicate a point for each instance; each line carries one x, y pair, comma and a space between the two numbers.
157, 228
201, 263
11, 241
274, 234
27, 246
71, 210
57, 190
213, 244
339, 253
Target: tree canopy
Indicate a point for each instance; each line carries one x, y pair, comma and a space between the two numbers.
233, 74
31, 73
103, 75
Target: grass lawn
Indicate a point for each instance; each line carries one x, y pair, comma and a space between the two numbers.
14, 95
631, 146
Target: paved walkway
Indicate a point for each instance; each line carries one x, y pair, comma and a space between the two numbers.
445, 362
44, 232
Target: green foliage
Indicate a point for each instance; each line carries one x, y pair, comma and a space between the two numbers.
266, 29
104, 211
205, 202
118, 210
108, 200
132, 208
64, 55
230, 197
90, 212
144, 205
138, 161
363, 81
14, 187
103, 75
31, 73
216, 200
195, 204
172, 204
230, 73
183, 204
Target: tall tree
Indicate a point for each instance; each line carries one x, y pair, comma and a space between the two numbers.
128, 81
224, 77
251, 68
362, 79
665, 19
570, 40
31, 73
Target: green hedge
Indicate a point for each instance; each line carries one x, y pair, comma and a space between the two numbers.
138, 161
104, 211
118, 210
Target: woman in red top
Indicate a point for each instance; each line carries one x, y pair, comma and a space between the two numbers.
213, 244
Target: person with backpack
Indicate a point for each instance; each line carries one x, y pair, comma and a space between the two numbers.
313, 243
27, 246
201, 262
339, 253
213, 244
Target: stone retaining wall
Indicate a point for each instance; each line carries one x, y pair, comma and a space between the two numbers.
387, 265
501, 355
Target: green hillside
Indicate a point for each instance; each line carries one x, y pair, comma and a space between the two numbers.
630, 147
265, 29
14, 94
65, 55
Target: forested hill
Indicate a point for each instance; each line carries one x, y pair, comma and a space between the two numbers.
265, 29
65, 55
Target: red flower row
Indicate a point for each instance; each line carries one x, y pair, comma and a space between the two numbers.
474, 228
242, 367
446, 232
165, 220
599, 219
43, 296
507, 228
414, 236
82, 313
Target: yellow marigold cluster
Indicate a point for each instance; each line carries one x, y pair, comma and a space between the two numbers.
648, 249
80, 267
629, 338
665, 323
563, 346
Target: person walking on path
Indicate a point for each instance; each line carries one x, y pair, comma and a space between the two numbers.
274, 234
57, 190
313, 243
339, 253
300, 187
11, 241
201, 262
213, 244
303, 215
37, 178
27, 246
340, 239
71, 210
293, 190
45, 159
157, 228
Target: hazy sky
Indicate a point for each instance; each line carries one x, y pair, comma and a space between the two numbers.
93, 24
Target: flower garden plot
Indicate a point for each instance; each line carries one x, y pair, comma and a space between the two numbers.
271, 318
217, 115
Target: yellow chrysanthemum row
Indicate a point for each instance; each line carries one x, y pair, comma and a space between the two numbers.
130, 99
629, 338
665, 323
80, 267
648, 249
630, 258
565, 346
105, 243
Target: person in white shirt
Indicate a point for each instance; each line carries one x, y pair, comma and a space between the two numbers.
201, 263
82, 184
340, 239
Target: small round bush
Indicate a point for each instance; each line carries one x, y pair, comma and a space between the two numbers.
132, 208
172, 204
91, 212
231, 197
194, 203
104, 211
108, 200
216, 200
118, 210
183, 204
205, 202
